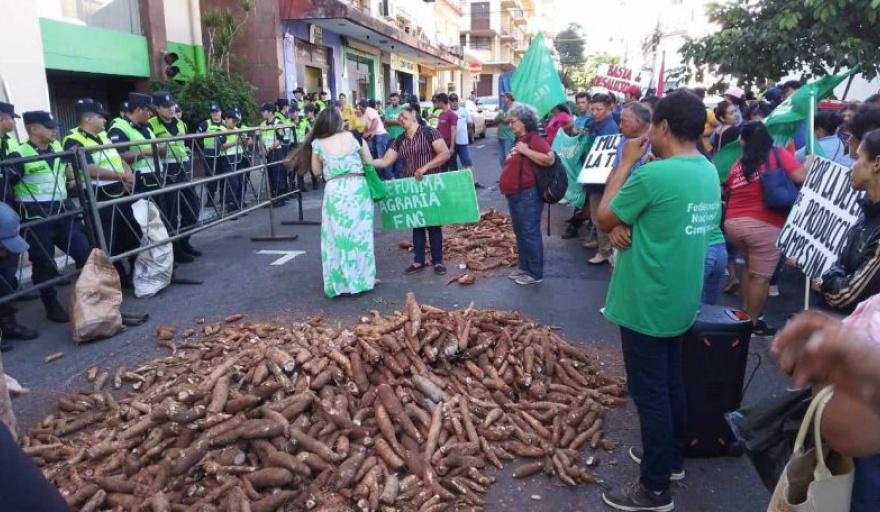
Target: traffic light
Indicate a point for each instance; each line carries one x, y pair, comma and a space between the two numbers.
171, 69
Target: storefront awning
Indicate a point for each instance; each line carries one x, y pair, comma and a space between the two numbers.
349, 21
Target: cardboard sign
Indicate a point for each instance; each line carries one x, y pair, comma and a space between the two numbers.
436, 200
598, 166
615, 78
826, 209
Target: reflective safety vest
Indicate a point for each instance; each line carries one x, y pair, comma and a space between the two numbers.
268, 134
10, 142
235, 149
177, 153
43, 180
434, 119
211, 142
302, 130
286, 133
320, 105
107, 158
141, 164
298, 104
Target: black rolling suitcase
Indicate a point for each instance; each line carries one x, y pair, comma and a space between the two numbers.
714, 353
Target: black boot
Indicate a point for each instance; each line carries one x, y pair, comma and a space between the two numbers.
571, 231
180, 255
54, 311
188, 248
10, 329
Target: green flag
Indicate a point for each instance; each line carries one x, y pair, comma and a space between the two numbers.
726, 157
571, 151
786, 119
536, 81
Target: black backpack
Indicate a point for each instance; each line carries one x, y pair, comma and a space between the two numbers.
552, 181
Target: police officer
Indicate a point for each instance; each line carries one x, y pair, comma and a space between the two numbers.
40, 190
273, 142
322, 101
298, 100
11, 247
302, 125
134, 127
181, 207
231, 157
111, 177
213, 156
8, 141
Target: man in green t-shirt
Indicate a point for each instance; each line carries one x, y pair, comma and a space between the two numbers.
392, 125
506, 138
661, 219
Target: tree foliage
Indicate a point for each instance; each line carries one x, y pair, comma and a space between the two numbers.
587, 73
768, 39
570, 44
216, 86
222, 26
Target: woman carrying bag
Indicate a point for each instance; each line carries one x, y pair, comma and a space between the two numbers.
347, 255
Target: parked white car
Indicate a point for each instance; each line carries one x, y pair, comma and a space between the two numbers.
479, 124
488, 106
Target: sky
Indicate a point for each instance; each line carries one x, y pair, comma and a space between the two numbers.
619, 26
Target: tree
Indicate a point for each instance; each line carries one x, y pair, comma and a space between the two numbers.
570, 44
768, 39
216, 86
222, 27
587, 73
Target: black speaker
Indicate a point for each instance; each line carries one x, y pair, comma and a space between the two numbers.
715, 353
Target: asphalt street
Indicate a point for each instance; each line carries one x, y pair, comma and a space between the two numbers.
239, 278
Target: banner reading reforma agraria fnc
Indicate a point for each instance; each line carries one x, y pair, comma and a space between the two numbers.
435, 200
826, 209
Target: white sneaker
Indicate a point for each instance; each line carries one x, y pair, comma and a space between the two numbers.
774, 290
516, 274
526, 280
636, 455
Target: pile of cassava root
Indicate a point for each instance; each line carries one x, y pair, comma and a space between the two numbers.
413, 411
487, 245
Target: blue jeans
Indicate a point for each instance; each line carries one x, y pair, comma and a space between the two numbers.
504, 148
461, 159
419, 235
378, 145
866, 488
525, 214
654, 379
713, 273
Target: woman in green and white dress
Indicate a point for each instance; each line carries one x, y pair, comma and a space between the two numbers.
347, 256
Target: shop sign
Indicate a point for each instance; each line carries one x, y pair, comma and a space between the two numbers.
400, 64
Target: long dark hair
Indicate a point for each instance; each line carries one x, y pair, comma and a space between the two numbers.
329, 122
757, 143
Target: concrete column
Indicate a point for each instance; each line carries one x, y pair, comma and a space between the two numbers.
152, 13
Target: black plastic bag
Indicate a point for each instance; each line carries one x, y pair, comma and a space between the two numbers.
768, 429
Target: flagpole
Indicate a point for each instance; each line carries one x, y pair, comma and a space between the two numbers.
811, 149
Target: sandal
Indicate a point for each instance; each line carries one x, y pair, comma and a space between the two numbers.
439, 269
415, 267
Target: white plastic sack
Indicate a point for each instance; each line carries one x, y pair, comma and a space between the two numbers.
152, 269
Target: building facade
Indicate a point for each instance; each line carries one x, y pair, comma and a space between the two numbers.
62, 50
362, 48
495, 36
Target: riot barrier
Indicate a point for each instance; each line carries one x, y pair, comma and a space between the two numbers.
194, 183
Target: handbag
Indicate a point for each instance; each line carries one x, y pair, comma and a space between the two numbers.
377, 188
777, 189
818, 479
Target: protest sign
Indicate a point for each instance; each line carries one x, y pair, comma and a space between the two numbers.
438, 199
615, 78
597, 166
816, 228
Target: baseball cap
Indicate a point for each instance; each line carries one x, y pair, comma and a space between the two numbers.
213, 107
9, 224
268, 107
40, 117
299, 89
232, 113
163, 99
136, 99
8, 108
90, 106
633, 89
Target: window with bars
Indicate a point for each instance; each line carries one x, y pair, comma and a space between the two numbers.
480, 16
481, 43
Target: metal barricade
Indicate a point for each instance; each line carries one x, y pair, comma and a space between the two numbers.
193, 192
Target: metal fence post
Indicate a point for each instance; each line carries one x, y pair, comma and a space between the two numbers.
90, 214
